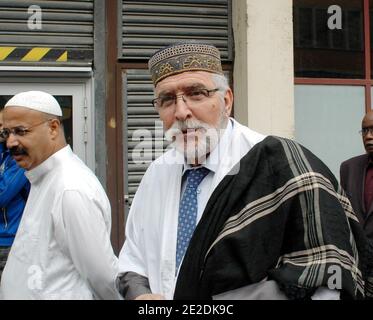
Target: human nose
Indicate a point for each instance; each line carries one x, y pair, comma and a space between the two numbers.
182, 112
12, 140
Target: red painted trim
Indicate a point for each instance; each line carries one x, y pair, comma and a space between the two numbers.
367, 48
333, 81
112, 141
367, 40
368, 97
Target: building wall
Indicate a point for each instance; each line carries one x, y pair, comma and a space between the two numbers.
263, 71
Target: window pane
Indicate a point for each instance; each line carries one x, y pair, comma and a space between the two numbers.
327, 121
328, 45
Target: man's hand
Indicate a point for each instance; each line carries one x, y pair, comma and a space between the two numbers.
150, 296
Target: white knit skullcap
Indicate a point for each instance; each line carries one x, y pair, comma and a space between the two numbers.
36, 100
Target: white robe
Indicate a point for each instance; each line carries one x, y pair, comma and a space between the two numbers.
151, 229
62, 249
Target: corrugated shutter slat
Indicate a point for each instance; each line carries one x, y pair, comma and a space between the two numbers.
150, 25
140, 118
65, 24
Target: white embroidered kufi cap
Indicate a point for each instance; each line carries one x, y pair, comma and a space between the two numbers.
36, 100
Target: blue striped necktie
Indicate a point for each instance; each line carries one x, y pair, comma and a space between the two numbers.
188, 212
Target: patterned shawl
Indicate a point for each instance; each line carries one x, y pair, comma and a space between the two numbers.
283, 217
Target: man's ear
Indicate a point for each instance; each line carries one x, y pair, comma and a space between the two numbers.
54, 126
228, 100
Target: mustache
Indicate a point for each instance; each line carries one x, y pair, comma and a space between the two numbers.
183, 126
16, 151
188, 126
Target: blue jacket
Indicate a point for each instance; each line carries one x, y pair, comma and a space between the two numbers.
14, 189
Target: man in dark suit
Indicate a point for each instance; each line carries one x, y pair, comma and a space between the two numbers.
357, 178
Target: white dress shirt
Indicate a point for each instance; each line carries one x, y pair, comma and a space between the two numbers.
62, 249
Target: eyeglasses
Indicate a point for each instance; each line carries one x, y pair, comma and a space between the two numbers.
191, 97
365, 131
19, 131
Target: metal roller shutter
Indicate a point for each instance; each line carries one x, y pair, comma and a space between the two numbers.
143, 133
66, 25
149, 25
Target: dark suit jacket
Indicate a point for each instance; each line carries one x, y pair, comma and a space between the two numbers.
352, 173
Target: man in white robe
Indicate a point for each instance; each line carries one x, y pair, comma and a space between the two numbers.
62, 249
194, 102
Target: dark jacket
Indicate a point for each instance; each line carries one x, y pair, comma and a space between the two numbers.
352, 173
14, 189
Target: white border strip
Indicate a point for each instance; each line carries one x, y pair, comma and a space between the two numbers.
51, 69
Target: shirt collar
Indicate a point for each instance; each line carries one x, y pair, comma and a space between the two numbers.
48, 165
213, 160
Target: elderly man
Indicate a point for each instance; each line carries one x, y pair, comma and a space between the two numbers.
229, 213
62, 249
357, 178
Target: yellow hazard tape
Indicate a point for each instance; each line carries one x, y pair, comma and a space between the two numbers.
63, 57
5, 52
36, 54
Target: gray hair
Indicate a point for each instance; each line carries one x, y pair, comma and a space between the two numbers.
221, 82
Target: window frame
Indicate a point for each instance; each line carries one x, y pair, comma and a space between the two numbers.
367, 81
